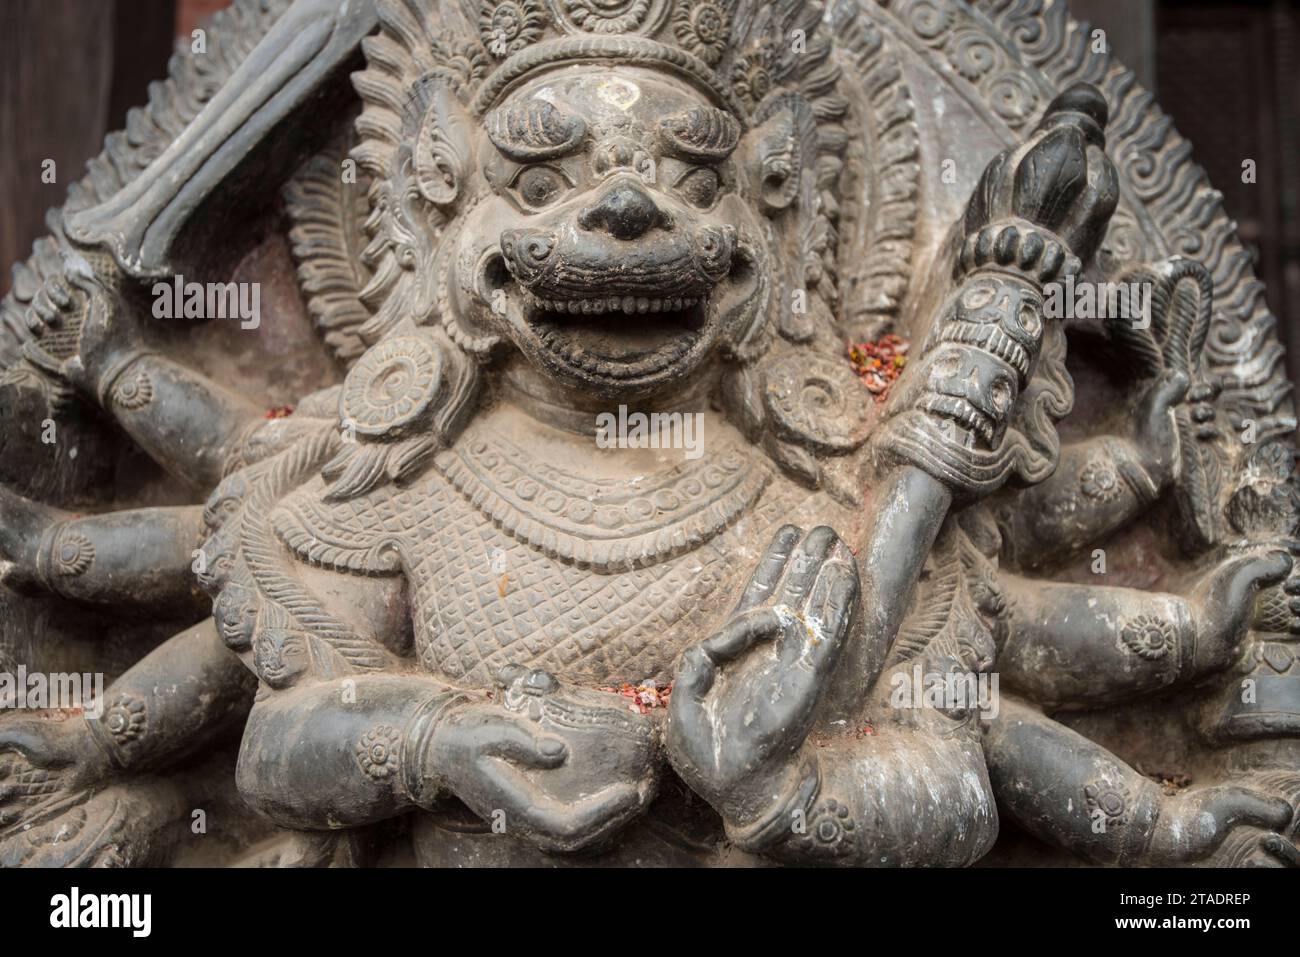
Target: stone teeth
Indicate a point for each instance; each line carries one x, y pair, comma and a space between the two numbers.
630, 305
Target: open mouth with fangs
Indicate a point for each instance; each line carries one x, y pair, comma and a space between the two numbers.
978, 429
619, 337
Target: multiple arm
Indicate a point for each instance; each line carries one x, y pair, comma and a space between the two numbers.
111, 765
185, 694
1099, 486
1073, 793
747, 697
91, 558
1081, 645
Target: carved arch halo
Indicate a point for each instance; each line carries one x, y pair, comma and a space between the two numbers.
997, 62
1004, 60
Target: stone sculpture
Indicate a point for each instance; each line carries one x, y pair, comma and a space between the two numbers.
430, 582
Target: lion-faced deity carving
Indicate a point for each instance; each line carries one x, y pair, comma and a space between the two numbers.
844, 627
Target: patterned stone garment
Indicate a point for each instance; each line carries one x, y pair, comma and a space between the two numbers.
374, 554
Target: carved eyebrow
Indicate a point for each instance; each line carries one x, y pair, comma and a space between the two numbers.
703, 134
535, 131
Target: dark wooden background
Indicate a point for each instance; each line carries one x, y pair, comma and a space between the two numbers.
1226, 70
69, 71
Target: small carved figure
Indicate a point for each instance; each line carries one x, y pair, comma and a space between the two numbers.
422, 578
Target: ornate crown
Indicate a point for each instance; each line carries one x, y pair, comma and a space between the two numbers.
743, 54
737, 51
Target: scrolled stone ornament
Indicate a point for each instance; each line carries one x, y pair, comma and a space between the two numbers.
392, 385
817, 403
703, 28
611, 16
507, 26
446, 591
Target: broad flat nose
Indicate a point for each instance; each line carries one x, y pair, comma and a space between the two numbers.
625, 211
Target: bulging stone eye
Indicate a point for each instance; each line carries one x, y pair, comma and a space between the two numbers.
539, 186
699, 187
946, 366
979, 295
1029, 319
1001, 394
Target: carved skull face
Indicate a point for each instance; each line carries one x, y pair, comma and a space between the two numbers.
980, 358
971, 389
611, 246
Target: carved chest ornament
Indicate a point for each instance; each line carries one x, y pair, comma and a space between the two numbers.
453, 608
606, 526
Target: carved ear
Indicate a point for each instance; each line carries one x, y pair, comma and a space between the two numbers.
783, 141
443, 148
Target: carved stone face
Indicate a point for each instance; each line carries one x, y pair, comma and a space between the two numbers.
281, 656
610, 248
981, 358
972, 389
235, 611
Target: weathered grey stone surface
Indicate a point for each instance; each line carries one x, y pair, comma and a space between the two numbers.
450, 624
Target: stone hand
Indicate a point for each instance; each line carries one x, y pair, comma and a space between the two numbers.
1034, 219
1041, 209
1192, 825
1155, 433
87, 298
745, 698
45, 756
1227, 602
56, 809
564, 768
